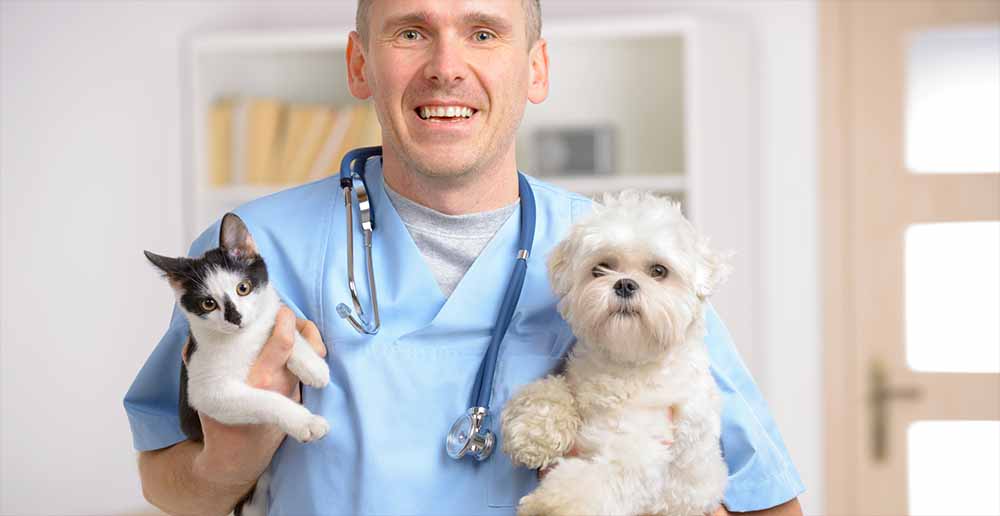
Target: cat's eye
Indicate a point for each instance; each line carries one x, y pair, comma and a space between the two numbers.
601, 269
658, 271
208, 305
244, 287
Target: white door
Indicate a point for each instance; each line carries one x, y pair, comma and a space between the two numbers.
911, 109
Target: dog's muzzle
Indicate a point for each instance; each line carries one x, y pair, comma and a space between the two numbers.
625, 288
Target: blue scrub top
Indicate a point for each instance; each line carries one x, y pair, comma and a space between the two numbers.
394, 396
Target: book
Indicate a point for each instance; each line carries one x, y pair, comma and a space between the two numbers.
238, 144
328, 158
219, 142
264, 127
371, 132
295, 127
317, 126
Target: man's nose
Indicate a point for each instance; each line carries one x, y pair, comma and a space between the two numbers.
447, 64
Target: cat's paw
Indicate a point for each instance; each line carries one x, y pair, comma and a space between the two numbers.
314, 427
314, 372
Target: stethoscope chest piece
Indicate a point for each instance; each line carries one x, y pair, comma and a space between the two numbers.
470, 435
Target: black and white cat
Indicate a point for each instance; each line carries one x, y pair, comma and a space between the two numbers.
231, 308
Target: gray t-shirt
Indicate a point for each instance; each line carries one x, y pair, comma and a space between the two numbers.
448, 243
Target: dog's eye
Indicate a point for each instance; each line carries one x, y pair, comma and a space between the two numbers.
208, 305
658, 271
600, 270
244, 287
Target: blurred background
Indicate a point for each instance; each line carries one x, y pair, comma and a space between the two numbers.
847, 151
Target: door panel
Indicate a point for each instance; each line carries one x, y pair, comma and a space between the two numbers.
871, 198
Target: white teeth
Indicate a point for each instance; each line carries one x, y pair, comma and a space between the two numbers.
445, 112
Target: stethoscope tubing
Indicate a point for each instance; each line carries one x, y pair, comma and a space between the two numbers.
483, 388
352, 166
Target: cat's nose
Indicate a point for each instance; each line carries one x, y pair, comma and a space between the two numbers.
232, 315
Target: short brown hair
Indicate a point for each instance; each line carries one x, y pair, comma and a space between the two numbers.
532, 16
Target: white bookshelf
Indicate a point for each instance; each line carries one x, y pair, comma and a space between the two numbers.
678, 90
637, 75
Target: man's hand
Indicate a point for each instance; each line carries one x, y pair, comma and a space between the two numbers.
224, 456
209, 477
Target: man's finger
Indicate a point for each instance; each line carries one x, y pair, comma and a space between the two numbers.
310, 332
278, 347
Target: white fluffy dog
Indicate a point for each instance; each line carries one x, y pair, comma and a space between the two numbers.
636, 403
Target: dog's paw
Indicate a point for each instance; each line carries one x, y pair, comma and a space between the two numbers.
535, 505
539, 423
312, 428
548, 503
313, 372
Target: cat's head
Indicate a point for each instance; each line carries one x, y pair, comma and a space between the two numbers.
225, 289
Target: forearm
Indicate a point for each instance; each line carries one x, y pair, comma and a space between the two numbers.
170, 482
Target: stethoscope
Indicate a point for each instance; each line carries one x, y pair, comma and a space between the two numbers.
470, 434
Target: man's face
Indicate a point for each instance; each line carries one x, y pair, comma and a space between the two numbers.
449, 80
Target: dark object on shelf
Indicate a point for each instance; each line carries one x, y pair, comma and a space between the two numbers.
575, 151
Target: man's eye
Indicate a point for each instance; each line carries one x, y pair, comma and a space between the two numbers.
410, 35
483, 35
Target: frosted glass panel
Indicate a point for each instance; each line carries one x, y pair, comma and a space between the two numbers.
953, 297
953, 101
954, 468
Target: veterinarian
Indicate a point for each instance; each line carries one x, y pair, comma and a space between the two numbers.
446, 197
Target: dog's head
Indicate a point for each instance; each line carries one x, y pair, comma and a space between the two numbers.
632, 276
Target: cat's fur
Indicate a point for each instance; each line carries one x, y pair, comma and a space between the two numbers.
231, 308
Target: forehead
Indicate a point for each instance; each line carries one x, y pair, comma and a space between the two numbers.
445, 12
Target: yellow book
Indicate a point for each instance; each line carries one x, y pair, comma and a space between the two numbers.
295, 128
265, 123
318, 126
219, 145
371, 132
327, 161
353, 137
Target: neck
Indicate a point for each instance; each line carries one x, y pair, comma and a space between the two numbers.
488, 188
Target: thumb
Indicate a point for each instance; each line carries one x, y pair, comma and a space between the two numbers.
274, 355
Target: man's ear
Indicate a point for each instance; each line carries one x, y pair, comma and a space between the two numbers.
357, 62
538, 87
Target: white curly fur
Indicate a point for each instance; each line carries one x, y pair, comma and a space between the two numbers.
637, 360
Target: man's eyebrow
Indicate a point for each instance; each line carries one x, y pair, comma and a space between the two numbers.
424, 18
415, 18
487, 20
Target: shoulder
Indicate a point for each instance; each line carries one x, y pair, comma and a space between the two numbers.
552, 196
298, 204
295, 214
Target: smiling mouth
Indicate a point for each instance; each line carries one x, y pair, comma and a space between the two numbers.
445, 112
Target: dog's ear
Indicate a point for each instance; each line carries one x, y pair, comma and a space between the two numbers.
712, 269
560, 267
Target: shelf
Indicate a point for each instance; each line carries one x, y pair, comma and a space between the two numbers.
588, 185
232, 196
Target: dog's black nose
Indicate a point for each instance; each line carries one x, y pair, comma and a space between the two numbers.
626, 287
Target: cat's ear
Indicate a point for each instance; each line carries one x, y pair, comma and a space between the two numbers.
173, 268
235, 238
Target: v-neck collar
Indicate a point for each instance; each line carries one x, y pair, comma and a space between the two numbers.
474, 303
